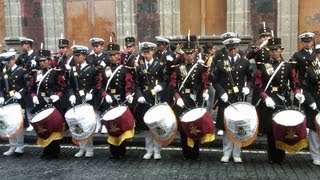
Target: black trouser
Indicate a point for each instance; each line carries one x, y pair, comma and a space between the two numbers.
188, 152
52, 150
118, 151
274, 154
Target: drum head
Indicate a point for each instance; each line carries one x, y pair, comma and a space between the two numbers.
157, 112
42, 115
114, 113
289, 117
11, 118
193, 114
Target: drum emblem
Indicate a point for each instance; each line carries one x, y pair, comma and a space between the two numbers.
2, 125
78, 129
241, 131
113, 127
291, 135
160, 131
40, 129
193, 129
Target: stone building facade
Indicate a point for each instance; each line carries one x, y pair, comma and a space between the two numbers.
79, 20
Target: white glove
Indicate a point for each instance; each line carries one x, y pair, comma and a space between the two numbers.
264, 43
180, 102
33, 63
88, 97
158, 88
224, 97
313, 106
141, 100
72, 99
245, 90
35, 100
205, 95
54, 98
1, 100
201, 61
169, 58
300, 97
129, 99
108, 99
103, 64
270, 103
17, 95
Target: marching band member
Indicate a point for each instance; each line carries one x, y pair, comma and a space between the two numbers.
229, 80
189, 81
277, 94
13, 88
129, 55
150, 81
82, 88
311, 104
303, 58
116, 87
98, 58
47, 87
27, 60
260, 54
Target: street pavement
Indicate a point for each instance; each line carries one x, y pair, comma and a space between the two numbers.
171, 166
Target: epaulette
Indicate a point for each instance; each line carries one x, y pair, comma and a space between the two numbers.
129, 67
174, 66
292, 61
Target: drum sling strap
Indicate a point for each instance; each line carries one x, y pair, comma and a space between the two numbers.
271, 78
38, 88
185, 79
111, 77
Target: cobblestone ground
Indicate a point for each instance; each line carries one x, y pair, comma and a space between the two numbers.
172, 166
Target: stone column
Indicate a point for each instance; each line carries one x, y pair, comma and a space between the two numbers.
238, 17
53, 22
288, 12
13, 18
125, 20
169, 17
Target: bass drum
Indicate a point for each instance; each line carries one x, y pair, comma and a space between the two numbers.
81, 120
49, 125
289, 129
120, 124
11, 121
241, 123
162, 123
198, 125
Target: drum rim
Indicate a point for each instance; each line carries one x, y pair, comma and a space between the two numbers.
108, 110
180, 117
40, 111
277, 112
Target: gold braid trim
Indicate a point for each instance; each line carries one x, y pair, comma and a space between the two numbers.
292, 149
52, 137
116, 141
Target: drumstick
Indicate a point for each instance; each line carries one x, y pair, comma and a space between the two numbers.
232, 105
126, 100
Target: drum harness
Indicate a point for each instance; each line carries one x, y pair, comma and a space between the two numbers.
111, 77
6, 81
271, 78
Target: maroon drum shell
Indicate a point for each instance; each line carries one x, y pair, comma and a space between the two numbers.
52, 123
204, 124
119, 125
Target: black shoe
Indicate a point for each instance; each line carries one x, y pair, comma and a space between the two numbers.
271, 161
112, 157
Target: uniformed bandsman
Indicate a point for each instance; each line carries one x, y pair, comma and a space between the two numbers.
150, 81
13, 89
231, 79
277, 94
98, 58
47, 88
189, 83
129, 56
312, 93
27, 59
116, 88
82, 88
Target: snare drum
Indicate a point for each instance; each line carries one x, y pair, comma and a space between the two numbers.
241, 123
120, 124
198, 125
289, 130
11, 121
49, 126
82, 123
162, 123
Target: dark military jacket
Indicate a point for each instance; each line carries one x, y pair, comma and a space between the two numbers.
260, 56
95, 60
301, 60
24, 60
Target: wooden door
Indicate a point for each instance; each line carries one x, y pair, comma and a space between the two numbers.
309, 17
85, 19
203, 17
